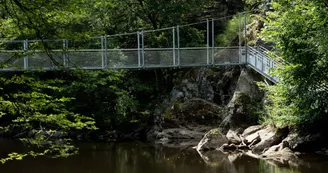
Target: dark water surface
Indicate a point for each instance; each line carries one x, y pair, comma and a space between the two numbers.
143, 158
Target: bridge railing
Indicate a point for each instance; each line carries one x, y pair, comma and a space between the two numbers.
262, 62
195, 44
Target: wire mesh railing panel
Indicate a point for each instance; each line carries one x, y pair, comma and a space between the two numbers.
193, 56
226, 56
12, 54
159, 57
39, 60
124, 58
12, 60
261, 62
14, 45
85, 58
195, 44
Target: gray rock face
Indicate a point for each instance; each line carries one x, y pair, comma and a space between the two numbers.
239, 112
199, 86
304, 143
233, 137
192, 112
252, 129
279, 154
179, 133
243, 102
214, 139
268, 138
247, 84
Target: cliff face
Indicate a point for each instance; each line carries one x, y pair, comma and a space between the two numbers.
206, 98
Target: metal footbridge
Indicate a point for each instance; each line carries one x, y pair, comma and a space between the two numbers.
190, 45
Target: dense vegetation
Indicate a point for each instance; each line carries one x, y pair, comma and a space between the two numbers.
48, 109
299, 31
40, 107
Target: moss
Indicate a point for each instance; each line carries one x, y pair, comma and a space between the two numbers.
215, 132
243, 99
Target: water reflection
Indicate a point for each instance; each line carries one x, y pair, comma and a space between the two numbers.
143, 158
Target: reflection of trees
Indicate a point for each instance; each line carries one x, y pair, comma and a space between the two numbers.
141, 158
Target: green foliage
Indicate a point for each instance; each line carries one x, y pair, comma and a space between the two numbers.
299, 29
102, 96
42, 107
40, 19
29, 107
230, 33
254, 4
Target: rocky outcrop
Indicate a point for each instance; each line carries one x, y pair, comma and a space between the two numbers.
212, 140
309, 142
196, 102
243, 103
233, 137
268, 137
191, 112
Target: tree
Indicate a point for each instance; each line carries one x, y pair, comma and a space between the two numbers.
31, 111
299, 28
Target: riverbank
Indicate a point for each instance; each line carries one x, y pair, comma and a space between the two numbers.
193, 117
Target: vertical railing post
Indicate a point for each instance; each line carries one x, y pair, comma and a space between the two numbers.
143, 47
25, 54
208, 42
263, 64
178, 34
106, 53
102, 52
245, 32
139, 53
256, 55
239, 35
213, 40
173, 32
256, 60
65, 53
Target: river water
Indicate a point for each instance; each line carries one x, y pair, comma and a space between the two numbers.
135, 157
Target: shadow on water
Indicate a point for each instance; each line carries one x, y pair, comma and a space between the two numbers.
143, 158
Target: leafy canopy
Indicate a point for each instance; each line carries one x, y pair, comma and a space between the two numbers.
299, 30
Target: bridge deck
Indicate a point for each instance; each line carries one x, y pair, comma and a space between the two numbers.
162, 48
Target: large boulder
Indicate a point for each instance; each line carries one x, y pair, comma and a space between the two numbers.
179, 133
214, 139
192, 112
239, 113
198, 84
307, 143
233, 137
280, 154
245, 99
260, 138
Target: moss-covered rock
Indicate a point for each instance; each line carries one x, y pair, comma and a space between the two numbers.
193, 112
213, 139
